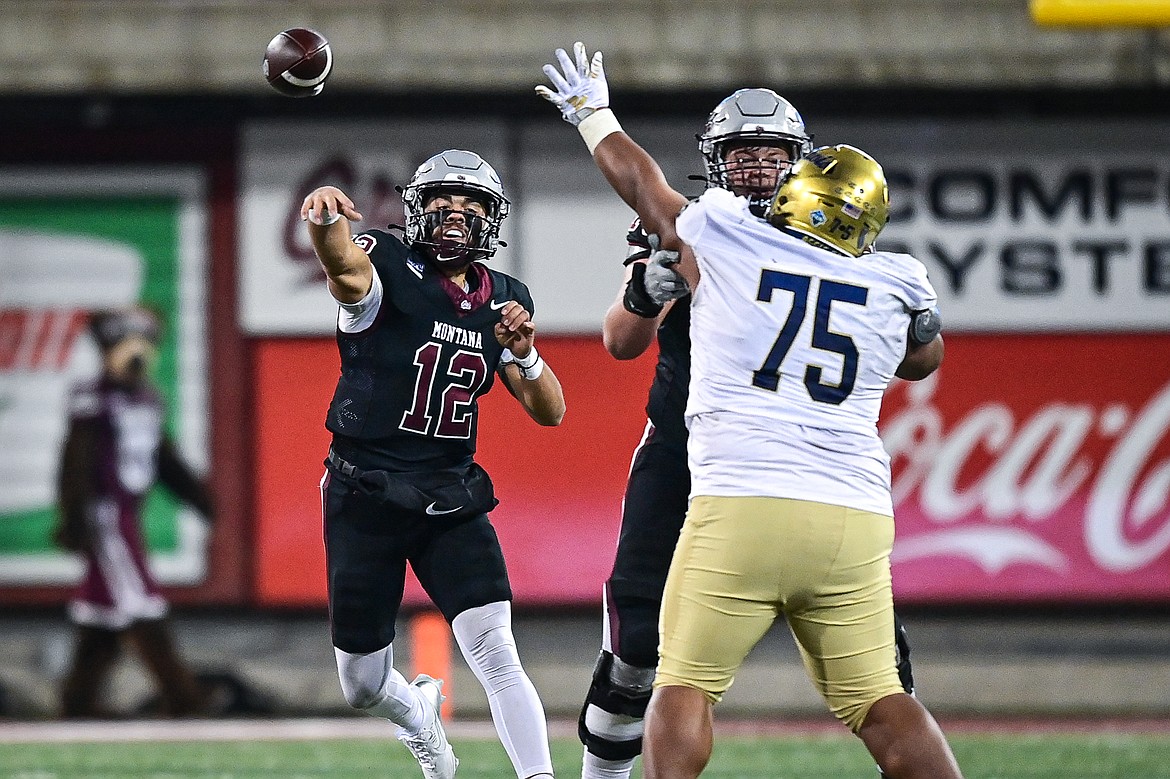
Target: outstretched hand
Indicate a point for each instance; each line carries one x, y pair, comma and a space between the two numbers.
324, 205
581, 90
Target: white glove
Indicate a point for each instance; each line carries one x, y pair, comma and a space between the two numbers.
582, 90
663, 283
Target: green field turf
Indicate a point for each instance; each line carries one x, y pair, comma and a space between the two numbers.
983, 756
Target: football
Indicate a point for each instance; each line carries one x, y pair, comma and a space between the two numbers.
297, 62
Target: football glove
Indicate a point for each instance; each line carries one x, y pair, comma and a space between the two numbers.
581, 90
654, 283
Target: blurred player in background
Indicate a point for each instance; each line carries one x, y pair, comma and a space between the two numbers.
423, 328
790, 508
115, 450
748, 143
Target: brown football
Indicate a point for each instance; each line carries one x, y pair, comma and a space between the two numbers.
297, 62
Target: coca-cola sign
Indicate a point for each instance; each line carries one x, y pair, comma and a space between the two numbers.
1034, 468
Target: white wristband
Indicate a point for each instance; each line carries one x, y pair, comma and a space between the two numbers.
533, 373
598, 126
527, 361
328, 220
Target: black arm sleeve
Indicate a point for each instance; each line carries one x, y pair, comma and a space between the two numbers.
178, 478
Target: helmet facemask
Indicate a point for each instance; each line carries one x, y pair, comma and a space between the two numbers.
751, 117
478, 232
752, 175
454, 172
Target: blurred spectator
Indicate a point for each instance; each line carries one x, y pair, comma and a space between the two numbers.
115, 450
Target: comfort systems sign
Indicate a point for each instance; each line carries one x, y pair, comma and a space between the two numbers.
1037, 242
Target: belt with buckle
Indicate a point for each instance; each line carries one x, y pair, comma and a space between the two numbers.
346, 468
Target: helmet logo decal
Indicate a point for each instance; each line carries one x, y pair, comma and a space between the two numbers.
835, 195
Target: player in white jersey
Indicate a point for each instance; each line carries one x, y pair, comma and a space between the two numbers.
796, 330
825, 310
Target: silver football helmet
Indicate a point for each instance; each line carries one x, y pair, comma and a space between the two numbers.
748, 115
455, 171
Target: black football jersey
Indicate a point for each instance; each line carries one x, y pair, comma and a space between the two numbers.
672, 375
407, 396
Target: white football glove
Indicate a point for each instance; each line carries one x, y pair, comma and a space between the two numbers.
581, 90
663, 283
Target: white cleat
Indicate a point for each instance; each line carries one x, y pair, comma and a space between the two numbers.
430, 745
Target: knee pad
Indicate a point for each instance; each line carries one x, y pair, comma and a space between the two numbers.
363, 677
484, 636
610, 725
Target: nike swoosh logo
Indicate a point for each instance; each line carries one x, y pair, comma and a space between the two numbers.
435, 512
497, 306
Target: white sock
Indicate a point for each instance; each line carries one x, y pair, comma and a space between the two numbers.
594, 767
484, 635
370, 684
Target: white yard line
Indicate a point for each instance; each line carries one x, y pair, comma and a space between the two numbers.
234, 730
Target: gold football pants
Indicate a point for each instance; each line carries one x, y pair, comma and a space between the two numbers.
741, 562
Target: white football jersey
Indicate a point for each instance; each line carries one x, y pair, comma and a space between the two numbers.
792, 347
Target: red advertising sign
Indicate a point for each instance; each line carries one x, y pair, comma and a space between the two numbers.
1031, 468
560, 488
1034, 468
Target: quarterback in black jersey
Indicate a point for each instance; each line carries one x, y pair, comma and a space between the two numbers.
748, 143
424, 328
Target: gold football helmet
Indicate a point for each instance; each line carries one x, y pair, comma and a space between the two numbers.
835, 197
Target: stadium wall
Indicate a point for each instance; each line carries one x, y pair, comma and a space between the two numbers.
1033, 470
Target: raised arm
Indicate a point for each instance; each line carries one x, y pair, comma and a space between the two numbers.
636, 177
328, 211
581, 93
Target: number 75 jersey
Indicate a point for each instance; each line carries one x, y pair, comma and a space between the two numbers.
792, 348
